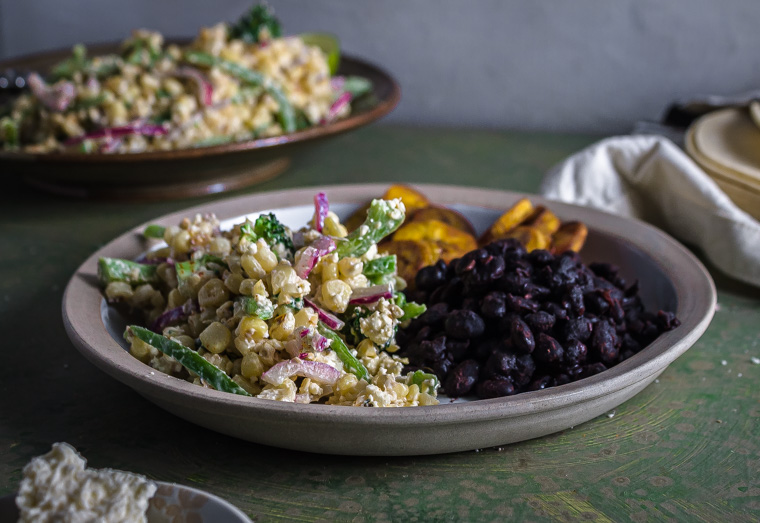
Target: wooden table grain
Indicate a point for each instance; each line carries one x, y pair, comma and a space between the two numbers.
686, 448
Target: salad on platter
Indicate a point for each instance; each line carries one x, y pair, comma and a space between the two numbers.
232, 83
306, 316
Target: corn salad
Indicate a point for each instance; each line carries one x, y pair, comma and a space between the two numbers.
155, 97
305, 317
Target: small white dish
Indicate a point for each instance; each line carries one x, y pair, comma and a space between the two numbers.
171, 503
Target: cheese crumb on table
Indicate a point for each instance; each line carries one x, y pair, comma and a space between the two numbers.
58, 487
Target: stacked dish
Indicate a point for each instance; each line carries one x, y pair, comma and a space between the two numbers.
726, 144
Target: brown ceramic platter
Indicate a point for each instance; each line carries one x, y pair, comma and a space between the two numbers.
670, 277
161, 175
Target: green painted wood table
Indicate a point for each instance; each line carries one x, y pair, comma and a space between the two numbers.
686, 448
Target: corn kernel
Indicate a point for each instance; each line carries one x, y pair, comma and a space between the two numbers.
216, 337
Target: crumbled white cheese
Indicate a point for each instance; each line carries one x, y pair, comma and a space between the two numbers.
57, 487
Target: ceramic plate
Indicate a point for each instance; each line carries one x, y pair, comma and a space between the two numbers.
670, 278
171, 503
160, 175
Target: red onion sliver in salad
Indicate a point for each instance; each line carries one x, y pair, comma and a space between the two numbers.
145, 129
328, 319
343, 100
55, 97
321, 208
205, 88
174, 315
371, 294
311, 255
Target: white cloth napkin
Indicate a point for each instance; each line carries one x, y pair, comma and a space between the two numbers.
649, 178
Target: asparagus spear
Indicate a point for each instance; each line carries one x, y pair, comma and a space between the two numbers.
286, 115
190, 359
116, 269
383, 217
349, 360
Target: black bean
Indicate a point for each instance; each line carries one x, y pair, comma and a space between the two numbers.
493, 306
667, 321
433, 350
495, 389
461, 379
464, 324
575, 353
522, 337
435, 315
548, 351
524, 369
428, 278
540, 257
540, 321
501, 364
520, 304
604, 343
577, 329
591, 369
442, 367
541, 383
458, 349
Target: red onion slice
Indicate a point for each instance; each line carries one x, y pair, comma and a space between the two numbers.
328, 319
145, 129
175, 315
55, 97
205, 87
311, 255
343, 100
321, 208
371, 294
317, 371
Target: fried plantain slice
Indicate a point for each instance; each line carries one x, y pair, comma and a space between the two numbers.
445, 215
357, 218
531, 237
411, 256
412, 198
513, 217
452, 242
544, 220
569, 237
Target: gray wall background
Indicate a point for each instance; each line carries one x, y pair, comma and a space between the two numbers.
583, 65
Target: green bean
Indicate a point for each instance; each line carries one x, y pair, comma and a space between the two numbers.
115, 269
286, 114
349, 360
154, 231
189, 359
380, 270
383, 218
419, 377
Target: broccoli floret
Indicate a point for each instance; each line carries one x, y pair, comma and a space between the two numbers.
256, 25
277, 236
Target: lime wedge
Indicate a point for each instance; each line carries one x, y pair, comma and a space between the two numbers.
329, 44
